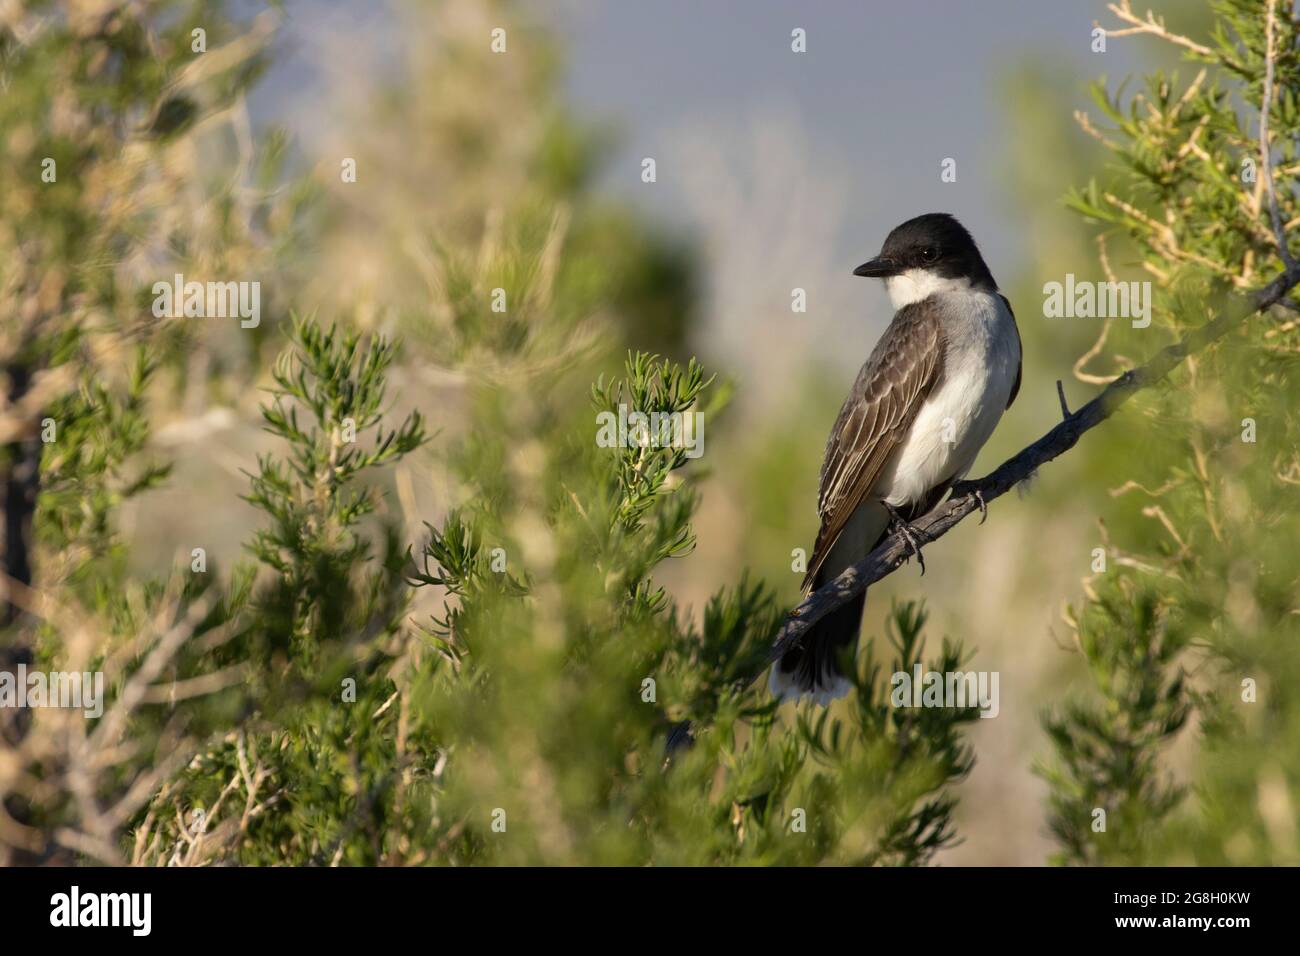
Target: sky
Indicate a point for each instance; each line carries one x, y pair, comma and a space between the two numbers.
787, 168
884, 93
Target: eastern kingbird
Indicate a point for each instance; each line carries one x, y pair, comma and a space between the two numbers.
923, 405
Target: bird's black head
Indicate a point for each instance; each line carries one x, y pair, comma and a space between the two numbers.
934, 247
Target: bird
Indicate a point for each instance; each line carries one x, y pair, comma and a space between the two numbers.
927, 399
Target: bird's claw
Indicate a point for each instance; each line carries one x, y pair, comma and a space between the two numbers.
963, 489
912, 538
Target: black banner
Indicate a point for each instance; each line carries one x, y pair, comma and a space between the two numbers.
129, 906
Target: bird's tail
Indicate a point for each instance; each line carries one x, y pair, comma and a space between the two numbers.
813, 668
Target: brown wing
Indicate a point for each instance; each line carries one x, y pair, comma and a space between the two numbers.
1015, 386
888, 392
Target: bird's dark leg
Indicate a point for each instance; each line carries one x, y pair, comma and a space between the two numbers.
913, 539
679, 735
965, 488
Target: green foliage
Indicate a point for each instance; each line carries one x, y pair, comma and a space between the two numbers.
320, 637
501, 693
100, 103
1197, 603
89, 466
571, 666
1109, 754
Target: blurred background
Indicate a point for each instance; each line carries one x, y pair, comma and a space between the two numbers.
775, 170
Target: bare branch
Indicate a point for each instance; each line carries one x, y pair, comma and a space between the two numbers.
1124, 11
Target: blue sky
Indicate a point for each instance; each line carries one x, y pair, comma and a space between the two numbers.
885, 91
787, 168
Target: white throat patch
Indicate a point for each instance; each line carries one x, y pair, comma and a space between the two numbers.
917, 284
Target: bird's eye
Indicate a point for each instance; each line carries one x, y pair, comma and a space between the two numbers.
929, 254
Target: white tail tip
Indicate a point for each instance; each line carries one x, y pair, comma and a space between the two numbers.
785, 685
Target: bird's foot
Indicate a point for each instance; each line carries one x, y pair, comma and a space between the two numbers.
963, 488
907, 532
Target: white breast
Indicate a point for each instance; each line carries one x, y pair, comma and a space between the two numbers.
981, 362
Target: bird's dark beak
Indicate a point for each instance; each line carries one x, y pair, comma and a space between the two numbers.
877, 268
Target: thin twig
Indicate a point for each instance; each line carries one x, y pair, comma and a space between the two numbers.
1124, 11
1060, 393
